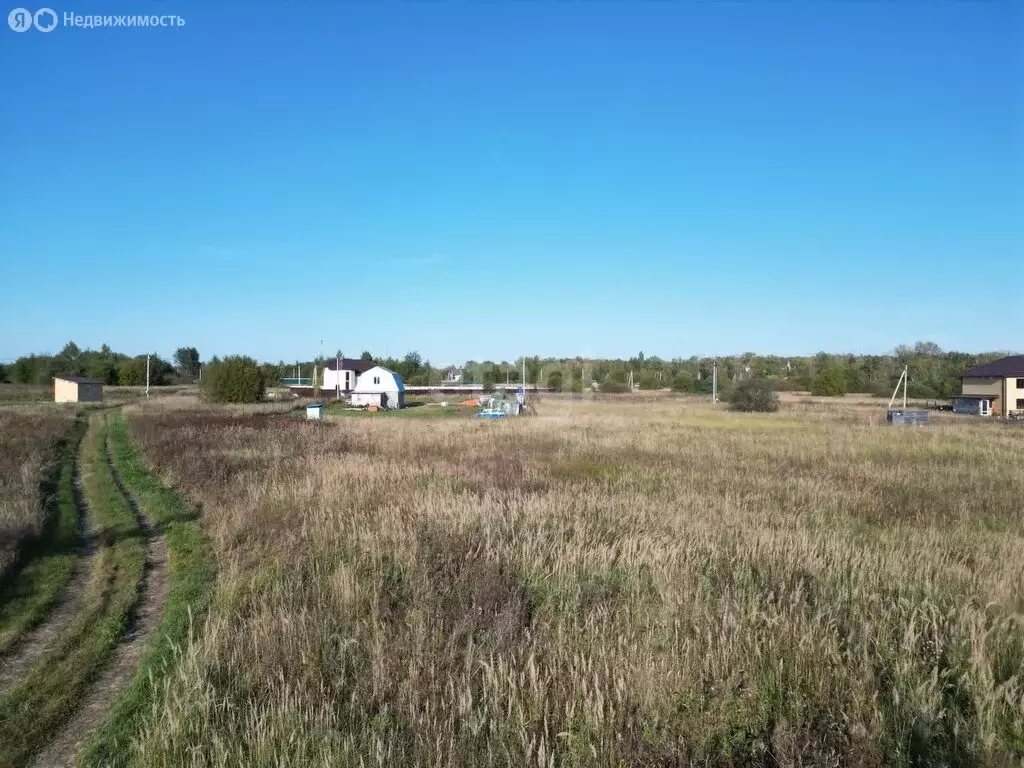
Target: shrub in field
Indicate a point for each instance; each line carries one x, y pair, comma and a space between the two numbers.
683, 382
614, 387
829, 382
754, 396
648, 381
555, 381
780, 384
234, 379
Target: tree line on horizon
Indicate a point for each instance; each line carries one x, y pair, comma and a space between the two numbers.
933, 372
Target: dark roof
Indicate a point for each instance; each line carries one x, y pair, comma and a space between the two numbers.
350, 364
79, 379
1003, 368
975, 397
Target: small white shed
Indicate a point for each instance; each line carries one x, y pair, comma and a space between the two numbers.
381, 387
77, 389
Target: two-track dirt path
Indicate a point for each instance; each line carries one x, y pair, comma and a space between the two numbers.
125, 659
43, 637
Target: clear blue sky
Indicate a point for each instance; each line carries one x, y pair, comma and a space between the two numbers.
487, 179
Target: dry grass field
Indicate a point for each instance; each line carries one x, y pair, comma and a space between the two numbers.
607, 583
28, 440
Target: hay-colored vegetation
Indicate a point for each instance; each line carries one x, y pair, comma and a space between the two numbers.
28, 451
607, 583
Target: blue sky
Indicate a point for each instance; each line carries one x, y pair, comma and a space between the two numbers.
487, 179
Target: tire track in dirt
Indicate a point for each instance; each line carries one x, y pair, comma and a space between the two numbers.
45, 636
124, 661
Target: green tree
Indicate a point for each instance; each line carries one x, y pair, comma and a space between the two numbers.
70, 352
234, 379
25, 370
489, 377
132, 373
683, 382
366, 356
104, 369
533, 369
3, 373
68, 362
186, 360
829, 382
753, 395
648, 380
554, 380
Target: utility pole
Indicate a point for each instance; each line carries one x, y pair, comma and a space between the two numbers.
147, 377
337, 380
903, 381
714, 382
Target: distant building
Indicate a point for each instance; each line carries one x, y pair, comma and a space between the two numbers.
77, 389
995, 389
344, 372
381, 387
453, 376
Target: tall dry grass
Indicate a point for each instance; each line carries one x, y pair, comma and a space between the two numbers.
28, 439
607, 583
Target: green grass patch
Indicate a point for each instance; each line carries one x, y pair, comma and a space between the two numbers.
27, 596
35, 708
192, 576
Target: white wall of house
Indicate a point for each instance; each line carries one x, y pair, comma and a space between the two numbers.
366, 398
331, 379
379, 386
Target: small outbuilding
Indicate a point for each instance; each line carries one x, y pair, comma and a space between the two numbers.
380, 387
77, 389
315, 411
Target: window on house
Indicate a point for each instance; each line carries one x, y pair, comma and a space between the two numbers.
376, 379
1020, 403
1020, 383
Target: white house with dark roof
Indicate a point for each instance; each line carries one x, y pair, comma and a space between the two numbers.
342, 374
